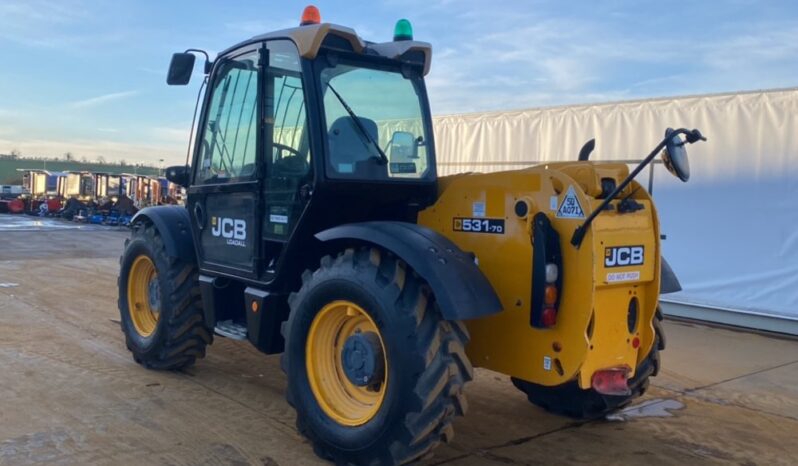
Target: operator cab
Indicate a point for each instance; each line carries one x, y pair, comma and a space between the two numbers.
302, 130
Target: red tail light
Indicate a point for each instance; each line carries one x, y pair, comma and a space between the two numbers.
549, 317
612, 381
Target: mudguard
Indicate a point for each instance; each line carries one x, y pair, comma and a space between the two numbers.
668, 283
174, 226
460, 288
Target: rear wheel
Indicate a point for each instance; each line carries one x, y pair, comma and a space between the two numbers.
570, 400
159, 304
374, 371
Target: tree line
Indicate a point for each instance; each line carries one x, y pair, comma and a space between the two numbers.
70, 157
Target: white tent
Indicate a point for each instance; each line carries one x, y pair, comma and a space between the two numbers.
732, 230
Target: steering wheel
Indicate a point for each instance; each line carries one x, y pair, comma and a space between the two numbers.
283, 147
296, 157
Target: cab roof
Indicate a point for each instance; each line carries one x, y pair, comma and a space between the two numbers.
309, 40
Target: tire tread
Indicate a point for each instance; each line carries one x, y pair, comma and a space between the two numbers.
184, 333
438, 354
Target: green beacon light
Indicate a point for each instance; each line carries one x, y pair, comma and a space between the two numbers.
403, 30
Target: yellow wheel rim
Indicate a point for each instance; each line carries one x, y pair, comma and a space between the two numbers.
143, 296
343, 401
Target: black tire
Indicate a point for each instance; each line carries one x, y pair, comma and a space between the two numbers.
572, 401
180, 335
427, 364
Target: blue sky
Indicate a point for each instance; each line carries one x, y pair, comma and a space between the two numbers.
88, 76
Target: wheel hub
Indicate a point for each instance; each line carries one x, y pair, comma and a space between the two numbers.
346, 362
362, 359
154, 295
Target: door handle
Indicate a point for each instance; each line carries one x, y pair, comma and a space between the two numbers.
305, 192
199, 216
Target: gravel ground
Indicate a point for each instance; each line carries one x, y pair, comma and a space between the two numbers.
71, 394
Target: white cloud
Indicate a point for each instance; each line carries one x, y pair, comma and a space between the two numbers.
43, 11
247, 28
48, 24
498, 55
7, 130
93, 148
102, 99
113, 144
497, 58
171, 135
761, 46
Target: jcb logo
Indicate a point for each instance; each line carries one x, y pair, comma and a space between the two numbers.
621, 256
230, 228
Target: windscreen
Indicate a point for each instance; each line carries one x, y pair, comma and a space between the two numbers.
375, 123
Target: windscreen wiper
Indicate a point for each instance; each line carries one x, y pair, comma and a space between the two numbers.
359, 124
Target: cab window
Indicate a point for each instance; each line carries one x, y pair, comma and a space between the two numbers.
286, 113
375, 123
229, 138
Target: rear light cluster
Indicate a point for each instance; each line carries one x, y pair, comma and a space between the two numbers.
613, 381
546, 273
550, 296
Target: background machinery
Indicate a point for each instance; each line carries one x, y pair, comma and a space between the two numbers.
316, 226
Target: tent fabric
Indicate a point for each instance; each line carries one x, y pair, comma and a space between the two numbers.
732, 230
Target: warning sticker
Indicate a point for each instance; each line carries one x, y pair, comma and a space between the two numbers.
570, 207
478, 209
615, 277
278, 218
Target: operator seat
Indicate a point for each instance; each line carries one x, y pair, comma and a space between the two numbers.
350, 151
291, 166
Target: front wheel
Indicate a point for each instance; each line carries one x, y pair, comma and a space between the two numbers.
374, 371
159, 304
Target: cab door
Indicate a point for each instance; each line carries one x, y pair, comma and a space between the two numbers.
288, 177
224, 198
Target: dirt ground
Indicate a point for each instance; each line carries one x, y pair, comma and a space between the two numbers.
71, 394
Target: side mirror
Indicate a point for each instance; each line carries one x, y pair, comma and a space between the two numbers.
178, 175
403, 146
674, 156
180, 69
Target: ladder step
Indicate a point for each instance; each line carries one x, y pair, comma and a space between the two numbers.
230, 329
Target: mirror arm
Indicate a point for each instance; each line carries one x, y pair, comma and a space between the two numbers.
208, 63
581, 230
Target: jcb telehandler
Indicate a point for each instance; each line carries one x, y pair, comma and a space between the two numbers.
316, 226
